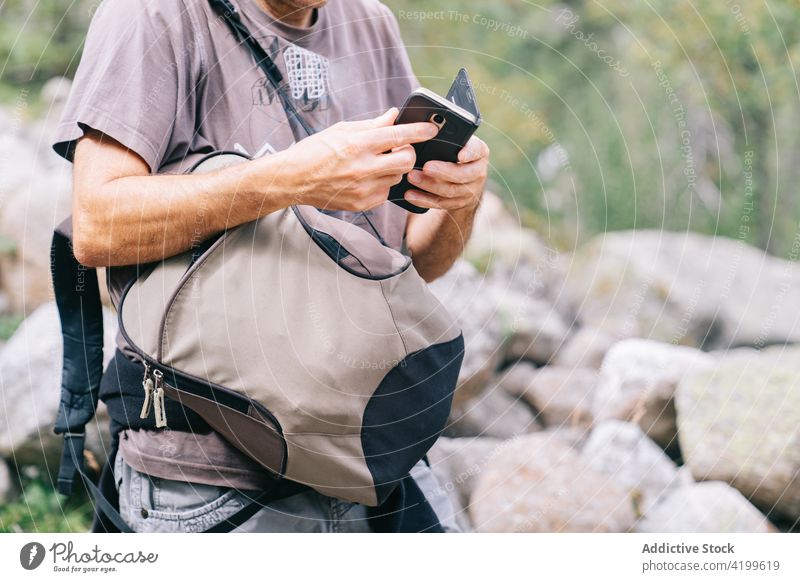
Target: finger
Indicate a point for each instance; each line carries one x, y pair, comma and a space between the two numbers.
393, 179
456, 173
435, 185
425, 200
381, 139
475, 149
398, 161
389, 180
385, 119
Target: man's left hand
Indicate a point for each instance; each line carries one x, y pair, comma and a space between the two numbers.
452, 186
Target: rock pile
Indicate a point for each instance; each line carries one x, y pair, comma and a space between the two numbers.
631, 412
599, 392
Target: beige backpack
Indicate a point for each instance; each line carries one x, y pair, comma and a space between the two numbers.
306, 343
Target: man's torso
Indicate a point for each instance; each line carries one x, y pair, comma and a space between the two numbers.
348, 65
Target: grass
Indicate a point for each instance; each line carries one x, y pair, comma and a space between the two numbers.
39, 508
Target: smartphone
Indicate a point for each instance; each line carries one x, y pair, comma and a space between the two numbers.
457, 117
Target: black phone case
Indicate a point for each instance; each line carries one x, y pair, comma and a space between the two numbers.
445, 146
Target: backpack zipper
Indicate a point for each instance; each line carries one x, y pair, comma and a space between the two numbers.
147, 385
158, 399
153, 385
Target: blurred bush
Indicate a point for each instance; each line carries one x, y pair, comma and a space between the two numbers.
40, 509
42, 39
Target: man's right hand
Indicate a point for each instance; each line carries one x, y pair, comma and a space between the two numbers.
353, 164
124, 215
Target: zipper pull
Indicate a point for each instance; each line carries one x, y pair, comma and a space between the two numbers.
158, 397
147, 385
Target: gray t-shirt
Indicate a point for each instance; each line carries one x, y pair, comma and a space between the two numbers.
167, 79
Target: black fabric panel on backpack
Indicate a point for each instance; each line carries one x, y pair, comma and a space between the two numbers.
406, 510
414, 398
121, 390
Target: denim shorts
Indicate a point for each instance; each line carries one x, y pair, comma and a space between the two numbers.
155, 505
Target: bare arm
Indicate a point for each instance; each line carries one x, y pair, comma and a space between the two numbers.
124, 215
454, 190
437, 238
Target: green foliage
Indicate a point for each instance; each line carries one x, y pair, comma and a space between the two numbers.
42, 39
40, 509
729, 68
614, 87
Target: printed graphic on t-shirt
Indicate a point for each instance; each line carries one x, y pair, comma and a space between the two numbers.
306, 72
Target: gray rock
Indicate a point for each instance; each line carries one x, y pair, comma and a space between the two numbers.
536, 483
520, 269
684, 288
562, 396
685, 476
463, 291
573, 436
457, 463
638, 381
17, 158
41, 131
710, 507
29, 214
533, 328
493, 216
498, 241
516, 270
55, 91
516, 378
30, 378
494, 413
585, 348
739, 423
35, 196
622, 450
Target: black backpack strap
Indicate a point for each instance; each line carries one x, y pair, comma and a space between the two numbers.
228, 13
256, 504
77, 295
